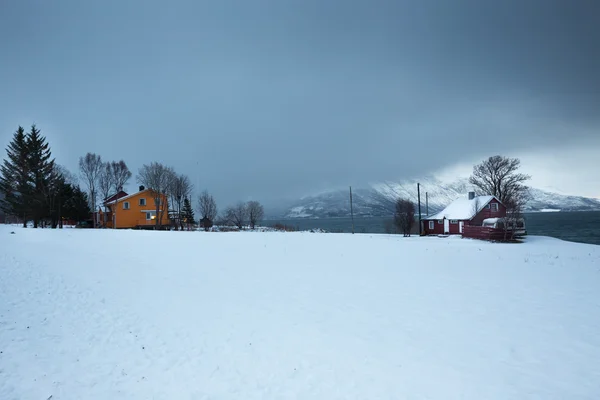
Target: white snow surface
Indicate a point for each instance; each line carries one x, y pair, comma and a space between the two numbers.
102, 314
463, 208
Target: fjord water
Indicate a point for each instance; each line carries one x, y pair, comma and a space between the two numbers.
582, 226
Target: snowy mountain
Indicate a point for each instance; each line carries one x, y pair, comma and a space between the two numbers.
378, 199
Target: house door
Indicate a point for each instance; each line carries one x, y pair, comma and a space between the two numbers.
461, 225
446, 226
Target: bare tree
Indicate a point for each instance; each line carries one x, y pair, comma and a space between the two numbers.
255, 213
180, 189
497, 176
120, 175
157, 177
208, 208
105, 185
105, 181
90, 167
404, 217
514, 213
237, 215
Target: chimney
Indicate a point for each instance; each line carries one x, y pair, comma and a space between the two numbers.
471, 195
142, 188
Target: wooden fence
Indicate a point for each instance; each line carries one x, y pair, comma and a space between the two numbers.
484, 233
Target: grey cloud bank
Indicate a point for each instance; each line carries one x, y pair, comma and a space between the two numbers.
275, 99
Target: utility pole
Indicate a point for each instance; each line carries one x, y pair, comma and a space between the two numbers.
351, 210
419, 199
426, 204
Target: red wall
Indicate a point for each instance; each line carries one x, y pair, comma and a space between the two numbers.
488, 213
438, 229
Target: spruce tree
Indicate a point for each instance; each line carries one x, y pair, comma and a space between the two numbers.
188, 212
55, 193
42, 174
75, 205
80, 208
15, 182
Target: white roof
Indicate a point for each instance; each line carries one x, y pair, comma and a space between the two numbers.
463, 208
124, 198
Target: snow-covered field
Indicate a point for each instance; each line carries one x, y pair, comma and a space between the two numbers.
88, 314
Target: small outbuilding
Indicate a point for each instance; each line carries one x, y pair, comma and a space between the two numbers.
469, 210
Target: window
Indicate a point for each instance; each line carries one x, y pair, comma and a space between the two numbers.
431, 225
126, 205
487, 206
440, 221
453, 221
142, 202
149, 216
494, 207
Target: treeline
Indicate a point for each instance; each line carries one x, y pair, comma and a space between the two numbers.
243, 214
105, 179
34, 188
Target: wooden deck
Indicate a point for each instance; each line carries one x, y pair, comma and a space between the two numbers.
485, 233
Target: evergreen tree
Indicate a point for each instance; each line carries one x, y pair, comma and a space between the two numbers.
15, 183
42, 175
76, 206
188, 212
57, 190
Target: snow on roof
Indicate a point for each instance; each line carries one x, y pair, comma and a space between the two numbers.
463, 208
491, 220
127, 197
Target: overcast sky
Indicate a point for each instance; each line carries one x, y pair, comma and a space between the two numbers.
267, 99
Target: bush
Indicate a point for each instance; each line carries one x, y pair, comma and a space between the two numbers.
284, 228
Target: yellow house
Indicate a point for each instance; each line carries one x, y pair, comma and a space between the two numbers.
136, 210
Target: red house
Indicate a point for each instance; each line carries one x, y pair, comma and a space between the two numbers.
470, 210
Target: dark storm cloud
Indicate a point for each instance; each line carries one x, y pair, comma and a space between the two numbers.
266, 99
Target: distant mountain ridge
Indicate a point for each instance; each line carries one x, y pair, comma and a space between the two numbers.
378, 199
